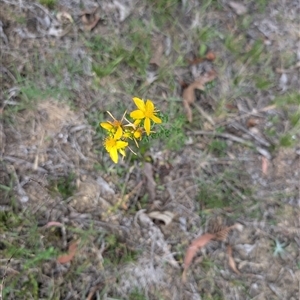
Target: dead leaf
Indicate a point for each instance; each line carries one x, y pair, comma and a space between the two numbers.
210, 56
231, 261
230, 106
195, 61
251, 122
192, 250
158, 49
148, 172
222, 232
283, 80
238, 7
53, 223
151, 75
264, 165
188, 111
90, 19
239, 227
189, 93
164, 216
94, 290
64, 15
65, 258
183, 84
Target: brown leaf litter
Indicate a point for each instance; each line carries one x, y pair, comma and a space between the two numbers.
210, 56
192, 250
66, 258
219, 233
164, 216
158, 51
231, 261
90, 19
189, 93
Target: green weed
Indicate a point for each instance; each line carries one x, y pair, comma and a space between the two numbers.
261, 5
207, 264
163, 12
295, 119
23, 243
291, 98
205, 36
110, 54
136, 295
65, 186
287, 140
246, 22
211, 195
253, 55
218, 147
49, 3
173, 134
279, 248
234, 44
262, 83
117, 253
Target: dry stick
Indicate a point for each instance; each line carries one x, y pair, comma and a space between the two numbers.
257, 138
204, 114
266, 108
36, 160
93, 291
235, 190
224, 135
22, 161
234, 138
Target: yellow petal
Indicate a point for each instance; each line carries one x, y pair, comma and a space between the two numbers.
122, 152
109, 143
137, 114
121, 144
149, 106
127, 135
147, 125
106, 126
156, 119
137, 122
114, 155
139, 103
118, 134
137, 134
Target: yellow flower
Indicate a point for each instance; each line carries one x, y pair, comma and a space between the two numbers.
138, 133
145, 111
113, 145
112, 127
133, 132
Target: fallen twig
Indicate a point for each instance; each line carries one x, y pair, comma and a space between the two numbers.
252, 113
224, 135
22, 161
237, 139
204, 114
257, 138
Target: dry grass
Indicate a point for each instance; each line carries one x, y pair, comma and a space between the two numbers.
236, 162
